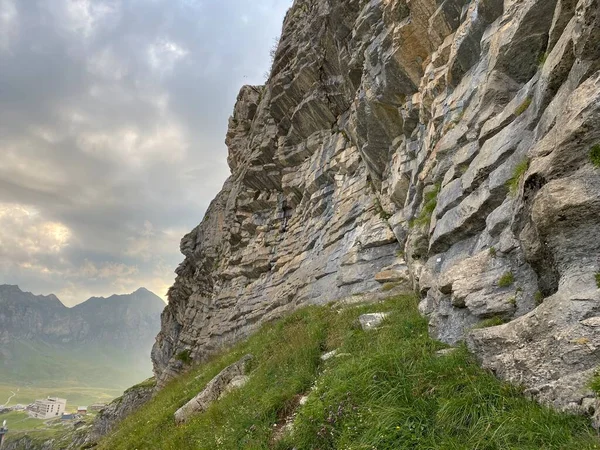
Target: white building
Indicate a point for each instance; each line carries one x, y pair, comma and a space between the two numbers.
48, 409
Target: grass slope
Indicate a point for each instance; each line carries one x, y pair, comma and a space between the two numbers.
20, 421
389, 392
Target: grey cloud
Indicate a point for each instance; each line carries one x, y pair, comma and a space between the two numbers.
112, 120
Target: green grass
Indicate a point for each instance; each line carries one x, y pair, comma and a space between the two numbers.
538, 298
523, 106
149, 383
20, 421
391, 392
491, 322
595, 155
515, 180
493, 252
595, 383
430, 203
506, 280
184, 356
598, 280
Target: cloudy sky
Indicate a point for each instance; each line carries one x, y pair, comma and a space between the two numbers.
112, 120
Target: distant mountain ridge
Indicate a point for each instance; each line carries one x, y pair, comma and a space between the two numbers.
119, 317
107, 339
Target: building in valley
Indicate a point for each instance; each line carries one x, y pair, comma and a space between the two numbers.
47, 409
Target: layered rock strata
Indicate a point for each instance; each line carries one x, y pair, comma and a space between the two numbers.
450, 137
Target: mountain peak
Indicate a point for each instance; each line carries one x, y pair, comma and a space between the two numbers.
14, 293
143, 290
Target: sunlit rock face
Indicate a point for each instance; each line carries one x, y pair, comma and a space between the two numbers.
448, 138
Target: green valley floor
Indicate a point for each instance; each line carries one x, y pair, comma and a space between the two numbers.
386, 389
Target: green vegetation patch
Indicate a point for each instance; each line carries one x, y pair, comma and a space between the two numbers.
20, 421
595, 155
391, 391
149, 383
598, 280
506, 280
430, 203
523, 106
595, 383
538, 298
185, 356
491, 322
515, 180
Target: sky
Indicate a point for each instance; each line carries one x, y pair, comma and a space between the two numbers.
113, 116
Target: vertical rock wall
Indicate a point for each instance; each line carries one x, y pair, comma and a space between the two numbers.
452, 137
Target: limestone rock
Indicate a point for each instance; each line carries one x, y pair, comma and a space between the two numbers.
232, 377
392, 276
327, 356
116, 411
454, 134
372, 321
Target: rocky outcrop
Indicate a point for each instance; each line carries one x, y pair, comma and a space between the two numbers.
229, 378
449, 139
118, 409
27, 443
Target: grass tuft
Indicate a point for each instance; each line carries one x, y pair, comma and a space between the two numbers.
515, 180
538, 298
598, 280
149, 383
391, 392
506, 280
493, 252
430, 203
523, 106
595, 155
595, 383
491, 322
184, 356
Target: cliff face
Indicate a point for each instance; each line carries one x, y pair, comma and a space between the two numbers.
453, 139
